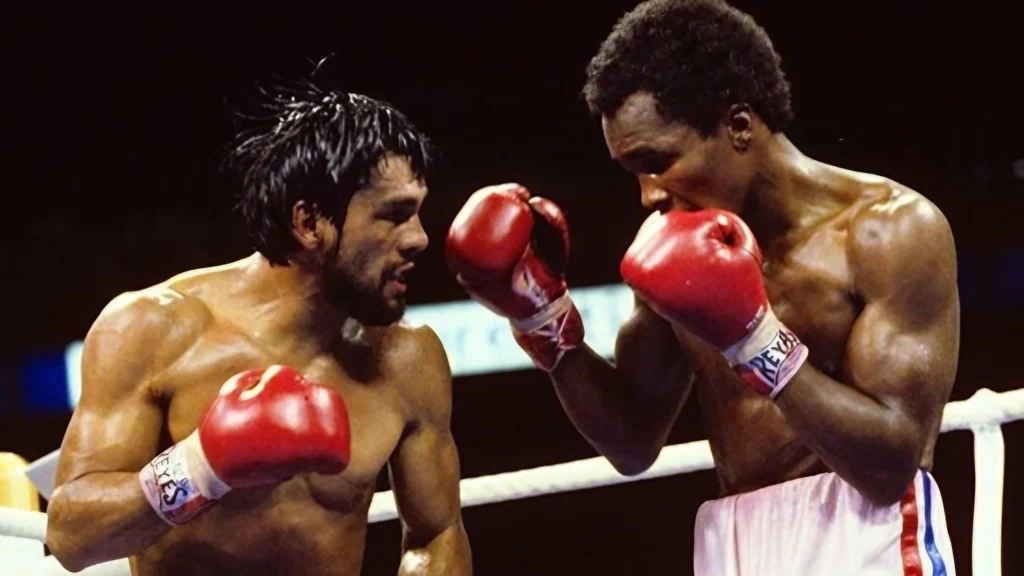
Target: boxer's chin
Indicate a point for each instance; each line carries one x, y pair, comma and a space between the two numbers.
383, 306
382, 312
374, 308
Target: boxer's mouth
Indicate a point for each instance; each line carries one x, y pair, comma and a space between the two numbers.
399, 276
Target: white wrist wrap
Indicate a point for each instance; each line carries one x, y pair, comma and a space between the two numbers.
179, 483
550, 333
769, 356
556, 309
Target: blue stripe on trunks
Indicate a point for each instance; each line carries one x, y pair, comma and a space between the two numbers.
939, 567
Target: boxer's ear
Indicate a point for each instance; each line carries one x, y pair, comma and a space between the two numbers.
304, 225
739, 126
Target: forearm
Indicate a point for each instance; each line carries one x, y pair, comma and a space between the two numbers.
873, 447
592, 396
447, 554
626, 423
100, 517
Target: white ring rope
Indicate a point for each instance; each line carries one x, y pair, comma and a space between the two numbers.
23, 524
983, 414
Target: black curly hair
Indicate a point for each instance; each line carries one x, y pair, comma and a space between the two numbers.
697, 57
315, 144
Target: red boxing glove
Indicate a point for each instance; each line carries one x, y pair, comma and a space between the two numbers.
702, 270
509, 252
264, 427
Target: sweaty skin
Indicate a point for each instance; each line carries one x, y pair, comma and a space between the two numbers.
157, 358
861, 268
154, 360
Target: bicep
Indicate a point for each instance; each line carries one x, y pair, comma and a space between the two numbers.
905, 361
903, 348
424, 468
112, 435
425, 479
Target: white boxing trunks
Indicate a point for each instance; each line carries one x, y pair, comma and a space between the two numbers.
821, 525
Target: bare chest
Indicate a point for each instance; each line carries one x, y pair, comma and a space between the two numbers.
375, 411
811, 292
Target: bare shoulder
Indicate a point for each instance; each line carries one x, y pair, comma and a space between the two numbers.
172, 312
157, 306
159, 310
901, 247
143, 331
416, 358
417, 352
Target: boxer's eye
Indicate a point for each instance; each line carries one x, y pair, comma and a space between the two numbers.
397, 216
397, 213
646, 161
657, 165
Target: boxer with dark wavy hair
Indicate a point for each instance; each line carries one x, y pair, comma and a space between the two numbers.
235, 419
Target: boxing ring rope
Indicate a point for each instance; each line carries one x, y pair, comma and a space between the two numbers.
983, 414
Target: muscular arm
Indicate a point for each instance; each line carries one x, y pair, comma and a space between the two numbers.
901, 357
114, 433
627, 409
424, 469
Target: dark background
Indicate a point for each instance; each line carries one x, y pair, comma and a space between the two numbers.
114, 120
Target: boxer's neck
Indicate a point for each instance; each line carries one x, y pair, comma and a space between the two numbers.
791, 192
292, 299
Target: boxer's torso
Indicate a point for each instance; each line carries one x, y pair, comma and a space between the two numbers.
312, 524
812, 286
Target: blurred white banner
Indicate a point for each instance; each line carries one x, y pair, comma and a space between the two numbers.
477, 340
